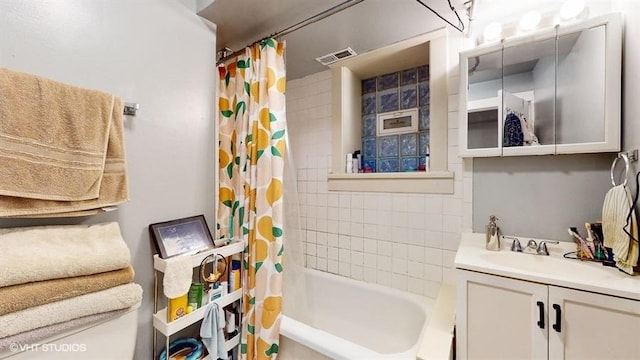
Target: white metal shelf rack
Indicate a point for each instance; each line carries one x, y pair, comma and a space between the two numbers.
167, 329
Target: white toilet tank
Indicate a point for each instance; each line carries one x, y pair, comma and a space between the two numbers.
113, 339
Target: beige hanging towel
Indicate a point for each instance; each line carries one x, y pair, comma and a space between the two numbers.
615, 210
61, 148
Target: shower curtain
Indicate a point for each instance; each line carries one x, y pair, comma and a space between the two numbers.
252, 129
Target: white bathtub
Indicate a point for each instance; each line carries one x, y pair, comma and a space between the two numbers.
349, 319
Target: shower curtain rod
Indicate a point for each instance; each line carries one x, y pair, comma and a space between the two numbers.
308, 21
325, 14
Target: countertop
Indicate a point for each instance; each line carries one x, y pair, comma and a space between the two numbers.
553, 269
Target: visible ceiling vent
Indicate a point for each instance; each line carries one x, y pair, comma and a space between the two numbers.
336, 56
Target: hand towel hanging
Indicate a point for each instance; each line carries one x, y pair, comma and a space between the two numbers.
616, 206
61, 147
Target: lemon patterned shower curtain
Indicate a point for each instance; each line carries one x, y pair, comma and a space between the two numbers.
252, 126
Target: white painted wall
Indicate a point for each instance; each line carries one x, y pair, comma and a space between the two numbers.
157, 53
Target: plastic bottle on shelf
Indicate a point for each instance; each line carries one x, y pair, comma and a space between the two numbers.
224, 285
427, 160
195, 296
206, 295
234, 276
215, 292
230, 328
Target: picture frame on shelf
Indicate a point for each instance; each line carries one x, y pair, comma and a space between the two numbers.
397, 122
183, 236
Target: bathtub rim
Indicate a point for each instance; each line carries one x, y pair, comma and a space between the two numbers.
423, 303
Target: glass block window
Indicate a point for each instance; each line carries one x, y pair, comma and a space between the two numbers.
405, 89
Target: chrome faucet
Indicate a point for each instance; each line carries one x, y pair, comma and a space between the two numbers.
542, 247
532, 246
515, 245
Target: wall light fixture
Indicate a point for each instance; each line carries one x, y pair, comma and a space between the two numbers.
529, 21
492, 32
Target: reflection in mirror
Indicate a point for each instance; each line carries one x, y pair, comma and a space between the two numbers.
580, 108
484, 86
528, 97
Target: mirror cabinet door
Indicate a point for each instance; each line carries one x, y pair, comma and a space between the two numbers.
554, 92
483, 102
528, 97
580, 104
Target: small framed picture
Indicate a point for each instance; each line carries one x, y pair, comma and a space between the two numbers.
181, 236
397, 122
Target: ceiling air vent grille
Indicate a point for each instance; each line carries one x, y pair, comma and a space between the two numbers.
336, 56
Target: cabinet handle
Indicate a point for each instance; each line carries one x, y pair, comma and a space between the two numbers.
557, 326
541, 309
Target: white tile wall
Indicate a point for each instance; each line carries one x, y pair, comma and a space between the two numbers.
402, 241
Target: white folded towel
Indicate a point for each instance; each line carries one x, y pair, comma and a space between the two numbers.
178, 273
115, 298
54, 252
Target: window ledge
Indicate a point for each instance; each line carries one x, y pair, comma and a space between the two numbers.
436, 182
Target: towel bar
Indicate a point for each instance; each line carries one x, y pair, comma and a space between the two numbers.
628, 157
130, 109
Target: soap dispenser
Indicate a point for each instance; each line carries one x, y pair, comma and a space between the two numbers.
493, 234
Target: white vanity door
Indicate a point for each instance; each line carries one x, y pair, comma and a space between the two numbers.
500, 318
592, 326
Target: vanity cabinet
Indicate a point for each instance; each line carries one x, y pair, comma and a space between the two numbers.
496, 318
557, 91
592, 325
504, 318
513, 305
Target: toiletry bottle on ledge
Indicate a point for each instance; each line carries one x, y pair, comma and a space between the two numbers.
492, 234
426, 160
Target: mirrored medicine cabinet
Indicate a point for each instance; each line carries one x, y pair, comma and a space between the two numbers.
557, 91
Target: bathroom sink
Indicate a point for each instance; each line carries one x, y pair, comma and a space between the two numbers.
553, 269
554, 265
